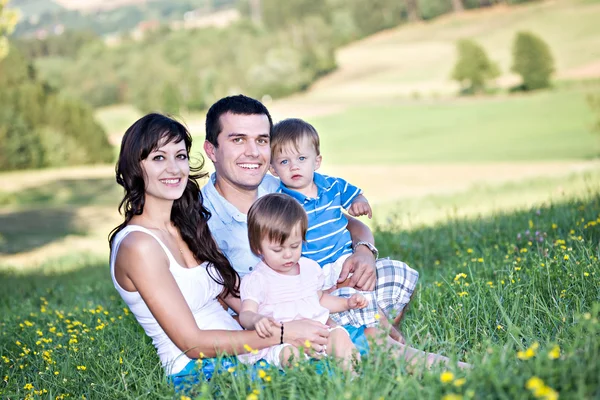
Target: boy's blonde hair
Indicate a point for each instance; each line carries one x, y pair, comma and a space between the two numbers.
292, 131
274, 216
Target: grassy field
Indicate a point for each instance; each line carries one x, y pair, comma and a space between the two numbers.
543, 126
516, 294
495, 200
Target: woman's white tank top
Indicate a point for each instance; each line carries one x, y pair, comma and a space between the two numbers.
199, 290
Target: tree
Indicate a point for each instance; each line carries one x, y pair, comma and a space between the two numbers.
8, 21
473, 68
532, 60
457, 6
412, 10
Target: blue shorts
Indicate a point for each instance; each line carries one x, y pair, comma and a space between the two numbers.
197, 371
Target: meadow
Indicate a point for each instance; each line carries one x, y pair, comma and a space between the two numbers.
515, 294
495, 200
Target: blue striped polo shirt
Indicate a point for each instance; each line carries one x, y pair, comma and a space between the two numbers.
327, 237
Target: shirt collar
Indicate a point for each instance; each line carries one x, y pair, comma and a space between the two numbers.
320, 181
226, 211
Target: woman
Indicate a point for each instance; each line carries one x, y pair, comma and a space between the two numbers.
165, 263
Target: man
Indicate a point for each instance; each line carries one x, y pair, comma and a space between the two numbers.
238, 132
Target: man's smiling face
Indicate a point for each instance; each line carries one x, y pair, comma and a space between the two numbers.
243, 153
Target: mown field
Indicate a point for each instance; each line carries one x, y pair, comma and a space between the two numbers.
515, 294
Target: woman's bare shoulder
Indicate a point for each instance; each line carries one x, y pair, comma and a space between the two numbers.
139, 248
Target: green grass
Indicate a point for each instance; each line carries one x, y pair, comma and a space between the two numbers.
484, 200
553, 125
530, 276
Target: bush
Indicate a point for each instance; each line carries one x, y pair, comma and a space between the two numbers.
532, 60
473, 68
40, 128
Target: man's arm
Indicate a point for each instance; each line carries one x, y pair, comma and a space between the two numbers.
362, 262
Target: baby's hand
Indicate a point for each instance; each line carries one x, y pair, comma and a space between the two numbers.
357, 301
265, 327
360, 206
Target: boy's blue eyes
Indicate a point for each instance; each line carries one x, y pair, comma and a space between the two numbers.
285, 162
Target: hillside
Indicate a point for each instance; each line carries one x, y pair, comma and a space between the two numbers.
416, 59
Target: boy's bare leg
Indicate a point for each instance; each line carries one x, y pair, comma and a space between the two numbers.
288, 356
341, 347
391, 329
398, 318
413, 356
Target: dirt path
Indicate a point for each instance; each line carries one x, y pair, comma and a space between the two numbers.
382, 184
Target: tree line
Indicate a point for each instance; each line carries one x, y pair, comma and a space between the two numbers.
276, 49
41, 128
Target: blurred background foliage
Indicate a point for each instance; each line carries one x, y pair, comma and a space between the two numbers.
64, 63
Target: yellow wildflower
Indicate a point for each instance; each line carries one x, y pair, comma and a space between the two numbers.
461, 294
446, 377
185, 398
28, 386
377, 317
261, 373
554, 353
459, 382
500, 327
230, 369
452, 396
307, 343
534, 383
252, 396
458, 276
566, 257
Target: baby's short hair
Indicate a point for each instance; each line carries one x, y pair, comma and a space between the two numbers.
274, 216
292, 131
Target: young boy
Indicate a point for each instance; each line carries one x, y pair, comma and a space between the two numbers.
295, 156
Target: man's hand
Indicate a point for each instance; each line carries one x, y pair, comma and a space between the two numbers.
265, 327
362, 265
360, 206
357, 301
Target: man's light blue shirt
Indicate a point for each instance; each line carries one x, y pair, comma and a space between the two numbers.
327, 237
229, 226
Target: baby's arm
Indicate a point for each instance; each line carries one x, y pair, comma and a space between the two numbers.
337, 304
360, 206
251, 319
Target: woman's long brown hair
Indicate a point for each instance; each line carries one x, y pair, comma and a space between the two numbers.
188, 214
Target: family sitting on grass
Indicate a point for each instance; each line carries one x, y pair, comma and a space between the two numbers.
303, 279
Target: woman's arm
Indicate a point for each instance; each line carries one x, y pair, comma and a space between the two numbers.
146, 266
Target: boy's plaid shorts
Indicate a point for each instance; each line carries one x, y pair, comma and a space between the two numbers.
395, 284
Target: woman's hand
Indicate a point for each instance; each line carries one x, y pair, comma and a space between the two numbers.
306, 333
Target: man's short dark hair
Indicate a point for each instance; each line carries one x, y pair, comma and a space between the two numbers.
240, 105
